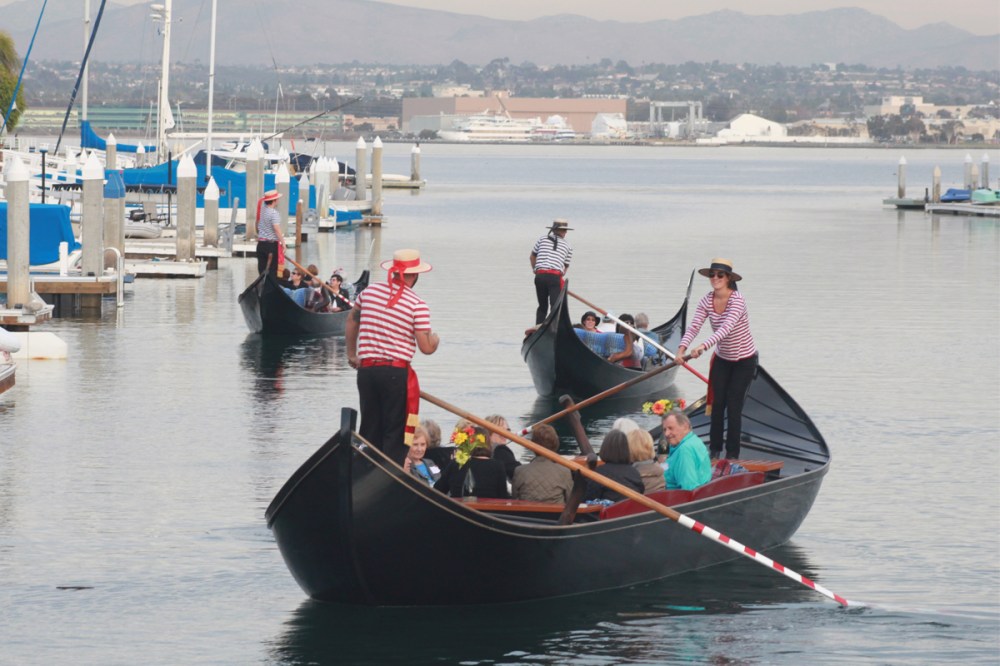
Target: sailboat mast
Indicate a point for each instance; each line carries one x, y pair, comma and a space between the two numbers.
163, 109
86, 65
211, 94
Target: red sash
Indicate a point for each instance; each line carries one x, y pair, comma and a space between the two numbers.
549, 271
412, 406
710, 394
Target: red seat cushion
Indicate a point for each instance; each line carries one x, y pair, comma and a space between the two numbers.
628, 507
725, 484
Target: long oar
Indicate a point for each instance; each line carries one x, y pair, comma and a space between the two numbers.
679, 518
640, 334
602, 395
323, 284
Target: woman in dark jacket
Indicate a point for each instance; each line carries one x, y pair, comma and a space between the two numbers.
488, 476
617, 467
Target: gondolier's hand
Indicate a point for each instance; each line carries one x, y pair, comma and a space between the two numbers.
352, 360
697, 351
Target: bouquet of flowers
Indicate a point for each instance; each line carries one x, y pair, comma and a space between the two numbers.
662, 406
466, 440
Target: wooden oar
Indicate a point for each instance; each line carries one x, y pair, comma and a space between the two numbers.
663, 510
602, 395
640, 334
324, 284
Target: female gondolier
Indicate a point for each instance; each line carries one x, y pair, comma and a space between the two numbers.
270, 240
734, 364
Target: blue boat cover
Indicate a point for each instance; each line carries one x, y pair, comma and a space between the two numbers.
607, 344
954, 195
49, 227
90, 139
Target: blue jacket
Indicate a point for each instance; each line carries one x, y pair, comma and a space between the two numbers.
688, 465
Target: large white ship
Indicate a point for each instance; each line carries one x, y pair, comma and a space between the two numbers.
491, 128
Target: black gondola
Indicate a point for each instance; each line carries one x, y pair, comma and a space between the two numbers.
269, 310
354, 528
560, 362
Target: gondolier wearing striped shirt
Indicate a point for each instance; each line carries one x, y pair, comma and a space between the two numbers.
388, 324
734, 364
550, 260
270, 243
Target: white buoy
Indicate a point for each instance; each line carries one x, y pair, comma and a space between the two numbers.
37, 346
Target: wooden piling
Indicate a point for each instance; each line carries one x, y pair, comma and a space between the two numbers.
936, 185
92, 220
114, 210
282, 183
377, 176
967, 180
984, 171
111, 152
901, 178
18, 233
415, 163
299, 208
255, 186
360, 170
187, 204
211, 197
974, 177
304, 190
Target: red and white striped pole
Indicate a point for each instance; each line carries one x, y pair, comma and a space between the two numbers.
746, 551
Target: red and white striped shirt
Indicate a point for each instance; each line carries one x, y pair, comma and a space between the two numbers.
388, 333
731, 328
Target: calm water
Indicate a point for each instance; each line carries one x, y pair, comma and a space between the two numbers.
139, 469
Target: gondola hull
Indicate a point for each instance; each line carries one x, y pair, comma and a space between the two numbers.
560, 362
267, 309
354, 528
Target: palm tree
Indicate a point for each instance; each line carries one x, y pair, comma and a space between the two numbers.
10, 67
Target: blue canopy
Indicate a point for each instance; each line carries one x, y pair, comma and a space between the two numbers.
49, 226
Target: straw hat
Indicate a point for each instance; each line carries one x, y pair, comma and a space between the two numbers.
560, 225
719, 264
408, 261
271, 195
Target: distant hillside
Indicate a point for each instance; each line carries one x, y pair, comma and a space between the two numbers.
338, 31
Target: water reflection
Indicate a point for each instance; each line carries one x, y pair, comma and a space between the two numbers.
610, 627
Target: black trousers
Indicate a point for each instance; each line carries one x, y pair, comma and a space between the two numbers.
267, 249
382, 392
547, 288
730, 383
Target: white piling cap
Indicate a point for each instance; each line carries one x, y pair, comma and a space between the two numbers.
303, 181
986, 157
255, 151
415, 149
377, 143
93, 169
111, 140
16, 171
361, 143
186, 168
968, 158
212, 190
281, 176
902, 161
140, 149
334, 165
283, 154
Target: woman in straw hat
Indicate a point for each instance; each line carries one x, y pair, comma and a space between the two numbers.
734, 363
388, 324
270, 241
550, 260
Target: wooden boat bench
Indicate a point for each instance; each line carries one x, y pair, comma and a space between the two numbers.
523, 507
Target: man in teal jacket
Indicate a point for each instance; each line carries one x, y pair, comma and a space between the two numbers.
688, 465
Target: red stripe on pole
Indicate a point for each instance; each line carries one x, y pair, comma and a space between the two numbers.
723, 538
806, 581
750, 551
779, 567
840, 600
697, 527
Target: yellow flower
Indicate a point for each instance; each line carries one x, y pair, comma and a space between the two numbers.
460, 438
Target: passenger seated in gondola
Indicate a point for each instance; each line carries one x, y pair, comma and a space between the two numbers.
416, 463
589, 321
688, 465
340, 299
640, 446
543, 480
631, 356
441, 455
501, 451
479, 476
317, 297
285, 278
617, 467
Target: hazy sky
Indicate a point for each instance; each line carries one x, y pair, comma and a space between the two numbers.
981, 17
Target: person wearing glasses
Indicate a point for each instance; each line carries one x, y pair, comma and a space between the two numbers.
734, 364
